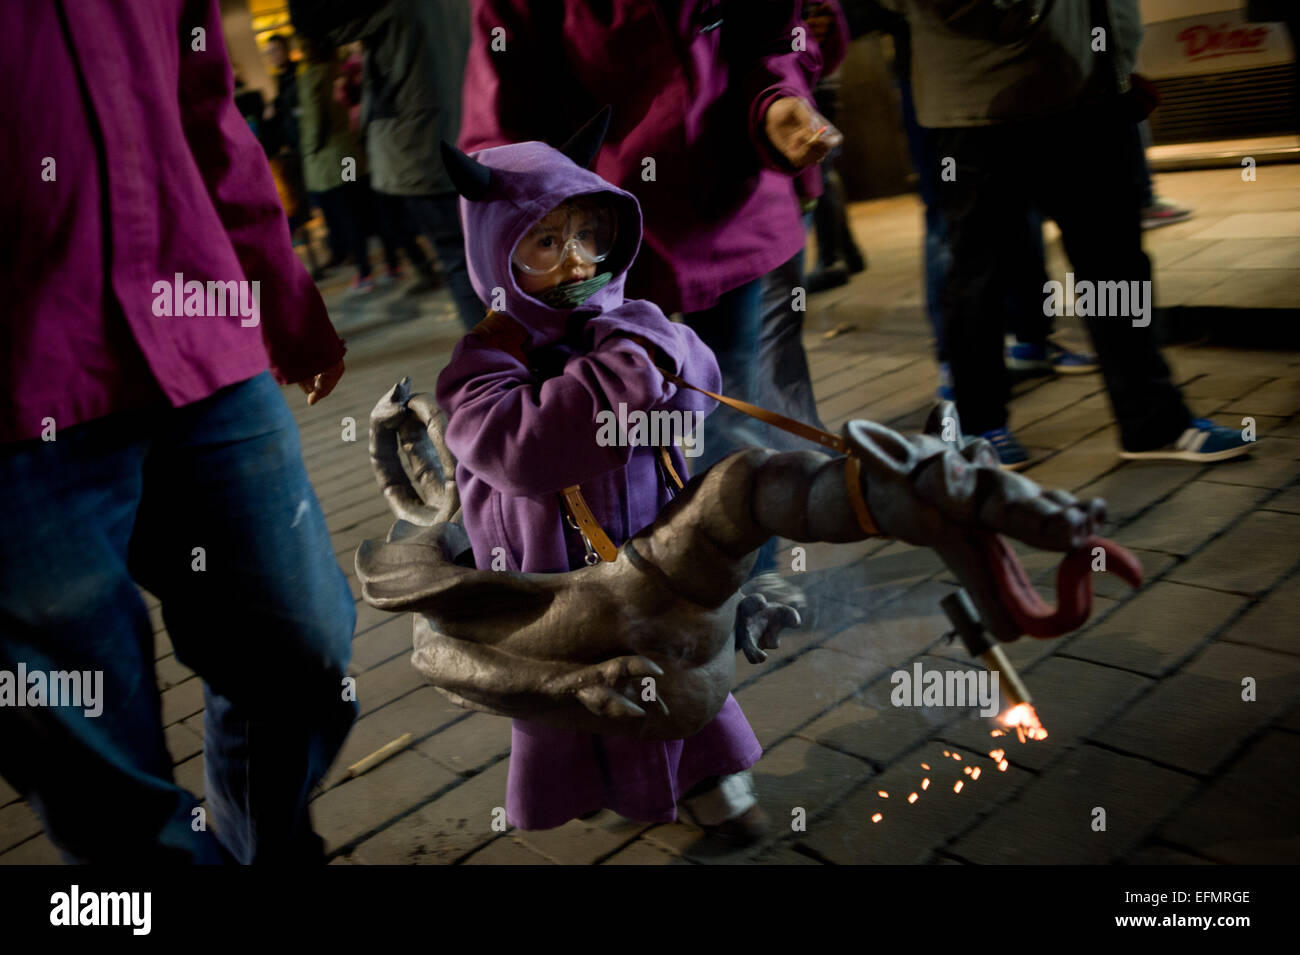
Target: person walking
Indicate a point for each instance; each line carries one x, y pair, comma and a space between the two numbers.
144, 442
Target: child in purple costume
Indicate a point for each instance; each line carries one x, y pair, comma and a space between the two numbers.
521, 432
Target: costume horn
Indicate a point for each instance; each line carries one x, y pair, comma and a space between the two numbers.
470, 177
585, 143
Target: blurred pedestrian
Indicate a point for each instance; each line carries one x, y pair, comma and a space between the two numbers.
414, 64
334, 165
1027, 110
143, 442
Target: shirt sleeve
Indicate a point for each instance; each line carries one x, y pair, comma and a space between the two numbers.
772, 60
295, 326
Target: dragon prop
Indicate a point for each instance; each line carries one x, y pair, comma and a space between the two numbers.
574, 650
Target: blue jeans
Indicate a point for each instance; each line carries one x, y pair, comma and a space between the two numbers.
732, 328
265, 620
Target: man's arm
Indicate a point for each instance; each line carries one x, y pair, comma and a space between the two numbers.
299, 337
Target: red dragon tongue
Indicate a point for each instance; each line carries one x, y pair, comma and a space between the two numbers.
1073, 585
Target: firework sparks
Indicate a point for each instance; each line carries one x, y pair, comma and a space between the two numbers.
912, 798
877, 817
925, 784
975, 773
956, 787
1024, 720
925, 766
882, 794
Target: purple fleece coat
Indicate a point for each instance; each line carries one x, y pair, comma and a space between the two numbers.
521, 434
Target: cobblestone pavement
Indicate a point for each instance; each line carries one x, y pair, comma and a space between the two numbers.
1144, 706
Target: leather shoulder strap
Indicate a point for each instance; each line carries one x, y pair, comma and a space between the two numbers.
501, 331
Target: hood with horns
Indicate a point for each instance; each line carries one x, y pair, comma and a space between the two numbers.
505, 190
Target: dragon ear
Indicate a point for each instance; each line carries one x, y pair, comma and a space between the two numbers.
585, 143
470, 177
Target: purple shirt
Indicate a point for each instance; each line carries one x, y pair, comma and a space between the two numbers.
125, 164
721, 208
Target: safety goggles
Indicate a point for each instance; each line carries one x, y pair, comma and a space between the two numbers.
585, 228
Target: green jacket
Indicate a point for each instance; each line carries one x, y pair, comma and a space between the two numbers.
982, 62
327, 138
415, 59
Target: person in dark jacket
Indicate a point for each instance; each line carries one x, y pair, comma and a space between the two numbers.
414, 61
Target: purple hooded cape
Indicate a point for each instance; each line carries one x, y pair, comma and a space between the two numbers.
522, 434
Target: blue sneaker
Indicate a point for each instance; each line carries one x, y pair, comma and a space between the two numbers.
1046, 359
1066, 362
1011, 453
945, 382
1203, 442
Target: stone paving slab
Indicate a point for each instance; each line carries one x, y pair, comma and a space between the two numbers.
1166, 528
870, 727
1052, 822
645, 852
1158, 629
1274, 622
422, 712
780, 702
908, 626
1135, 486
1071, 697
1273, 463
800, 778
1085, 462
908, 832
184, 699
350, 810
583, 841
1196, 718
387, 682
441, 831
182, 742
506, 851
37, 851
1288, 501
17, 823
469, 744
1247, 816
1161, 855
1247, 559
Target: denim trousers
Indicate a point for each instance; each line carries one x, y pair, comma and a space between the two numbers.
1085, 183
756, 335
207, 506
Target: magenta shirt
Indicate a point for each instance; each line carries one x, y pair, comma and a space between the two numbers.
720, 211
125, 163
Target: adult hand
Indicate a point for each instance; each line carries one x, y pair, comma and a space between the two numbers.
321, 385
798, 132
820, 20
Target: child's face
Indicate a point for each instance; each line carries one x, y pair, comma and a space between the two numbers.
550, 237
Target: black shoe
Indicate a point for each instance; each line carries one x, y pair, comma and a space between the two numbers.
856, 262
833, 276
